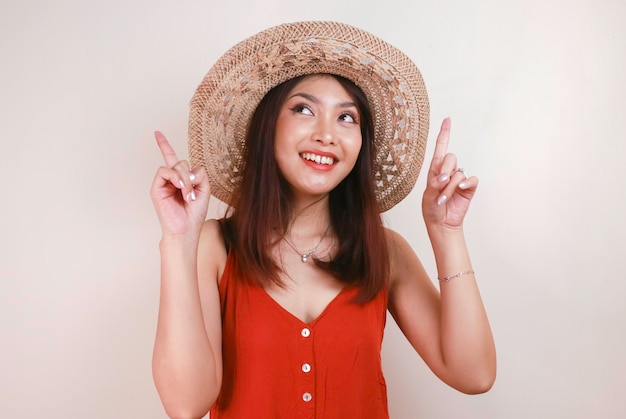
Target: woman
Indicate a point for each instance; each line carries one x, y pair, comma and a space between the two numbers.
309, 131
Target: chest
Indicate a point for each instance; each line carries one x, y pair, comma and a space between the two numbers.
306, 291
277, 365
258, 322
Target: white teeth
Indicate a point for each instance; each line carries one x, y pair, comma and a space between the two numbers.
318, 159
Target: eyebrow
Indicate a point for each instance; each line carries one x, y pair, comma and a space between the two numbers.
316, 100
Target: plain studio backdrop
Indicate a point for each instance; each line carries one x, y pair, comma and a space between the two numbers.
536, 94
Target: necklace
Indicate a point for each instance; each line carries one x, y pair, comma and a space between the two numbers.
305, 256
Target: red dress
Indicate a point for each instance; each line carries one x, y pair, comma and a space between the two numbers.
276, 366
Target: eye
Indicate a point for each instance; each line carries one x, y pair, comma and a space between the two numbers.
303, 109
349, 117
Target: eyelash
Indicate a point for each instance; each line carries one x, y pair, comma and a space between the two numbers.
300, 108
355, 120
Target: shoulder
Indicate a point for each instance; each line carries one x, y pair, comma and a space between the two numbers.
412, 294
211, 230
403, 261
397, 246
211, 250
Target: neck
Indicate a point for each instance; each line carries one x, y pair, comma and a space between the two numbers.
310, 218
308, 233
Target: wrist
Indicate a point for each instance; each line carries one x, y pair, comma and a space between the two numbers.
450, 250
178, 257
179, 241
445, 234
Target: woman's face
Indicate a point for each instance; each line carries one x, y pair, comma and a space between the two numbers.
318, 136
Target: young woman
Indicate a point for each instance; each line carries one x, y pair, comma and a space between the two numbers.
278, 310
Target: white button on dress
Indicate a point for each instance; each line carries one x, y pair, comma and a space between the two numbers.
307, 397
306, 367
306, 332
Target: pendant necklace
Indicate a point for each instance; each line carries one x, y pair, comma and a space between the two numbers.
305, 256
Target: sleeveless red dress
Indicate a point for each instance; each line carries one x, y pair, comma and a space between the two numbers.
276, 366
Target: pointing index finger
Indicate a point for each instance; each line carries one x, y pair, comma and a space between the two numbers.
169, 155
441, 147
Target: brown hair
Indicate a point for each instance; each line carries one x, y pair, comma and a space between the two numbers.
263, 205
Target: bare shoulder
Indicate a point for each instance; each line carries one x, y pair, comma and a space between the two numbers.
399, 248
211, 251
404, 262
393, 238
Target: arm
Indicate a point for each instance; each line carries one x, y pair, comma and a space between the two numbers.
449, 329
186, 364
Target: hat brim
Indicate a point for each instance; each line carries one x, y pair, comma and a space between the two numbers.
225, 100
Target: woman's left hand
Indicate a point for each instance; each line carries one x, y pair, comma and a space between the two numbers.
448, 191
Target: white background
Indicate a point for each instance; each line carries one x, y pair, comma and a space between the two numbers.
536, 91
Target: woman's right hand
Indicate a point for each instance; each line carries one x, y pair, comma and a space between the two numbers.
179, 194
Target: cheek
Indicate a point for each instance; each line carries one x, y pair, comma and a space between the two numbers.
287, 135
354, 149
279, 137
281, 142
281, 160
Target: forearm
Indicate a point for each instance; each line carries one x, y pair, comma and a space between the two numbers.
468, 349
184, 363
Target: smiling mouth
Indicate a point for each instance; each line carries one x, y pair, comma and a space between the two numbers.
317, 158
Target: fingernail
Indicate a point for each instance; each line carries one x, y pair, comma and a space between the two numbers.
443, 178
188, 197
462, 185
193, 195
181, 183
192, 177
441, 199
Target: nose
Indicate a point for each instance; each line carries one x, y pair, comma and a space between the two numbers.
325, 131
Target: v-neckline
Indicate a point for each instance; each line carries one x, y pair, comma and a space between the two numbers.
301, 322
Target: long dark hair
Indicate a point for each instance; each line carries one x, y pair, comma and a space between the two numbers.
263, 205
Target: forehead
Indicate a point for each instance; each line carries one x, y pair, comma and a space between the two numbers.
321, 83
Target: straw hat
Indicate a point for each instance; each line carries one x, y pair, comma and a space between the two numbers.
225, 100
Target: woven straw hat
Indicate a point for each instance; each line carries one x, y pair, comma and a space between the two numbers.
225, 100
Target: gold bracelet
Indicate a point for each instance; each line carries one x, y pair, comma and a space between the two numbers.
449, 278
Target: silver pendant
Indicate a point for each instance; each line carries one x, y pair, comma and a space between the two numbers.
304, 258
